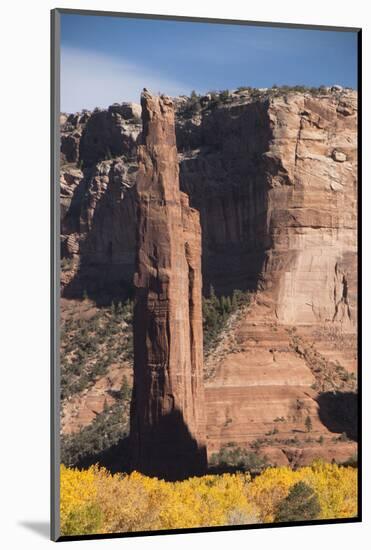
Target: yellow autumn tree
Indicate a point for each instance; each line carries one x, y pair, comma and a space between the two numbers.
335, 487
95, 501
80, 513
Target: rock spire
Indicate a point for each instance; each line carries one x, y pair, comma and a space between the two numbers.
167, 415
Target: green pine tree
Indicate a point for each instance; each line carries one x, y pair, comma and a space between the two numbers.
308, 424
301, 504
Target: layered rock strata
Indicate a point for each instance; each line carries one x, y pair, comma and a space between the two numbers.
274, 179
167, 415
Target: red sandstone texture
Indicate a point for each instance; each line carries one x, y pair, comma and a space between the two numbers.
275, 182
167, 416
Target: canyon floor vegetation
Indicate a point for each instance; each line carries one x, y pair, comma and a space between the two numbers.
94, 501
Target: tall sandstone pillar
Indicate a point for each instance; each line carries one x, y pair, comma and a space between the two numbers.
167, 428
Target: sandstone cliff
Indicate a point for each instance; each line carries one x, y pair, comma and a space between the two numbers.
167, 429
274, 178
274, 181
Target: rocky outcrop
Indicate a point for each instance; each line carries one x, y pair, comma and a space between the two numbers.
167, 416
98, 210
98, 219
110, 133
303, 192
269, 377
312, 213
71, 131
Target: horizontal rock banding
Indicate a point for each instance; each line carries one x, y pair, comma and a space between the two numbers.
275, 183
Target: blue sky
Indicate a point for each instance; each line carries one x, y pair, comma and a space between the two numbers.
108, 59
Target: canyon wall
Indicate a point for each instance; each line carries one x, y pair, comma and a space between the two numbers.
312, 212
167, 429
275, 184
274, 179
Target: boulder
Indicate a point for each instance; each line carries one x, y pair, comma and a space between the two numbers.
339, 156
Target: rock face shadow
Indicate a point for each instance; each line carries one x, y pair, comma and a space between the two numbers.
115, 458
168, 450
339, 412
229, 184
106, 220
233, 212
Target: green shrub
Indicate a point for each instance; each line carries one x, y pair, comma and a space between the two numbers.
244, 89
231, 456
352, 461
106, 430
191, 106
90, 346
224, 96
66, 264
301, 504
308, 424
216, 312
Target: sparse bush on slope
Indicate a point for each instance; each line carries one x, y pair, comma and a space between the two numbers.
216, 311
90, 346
106, 430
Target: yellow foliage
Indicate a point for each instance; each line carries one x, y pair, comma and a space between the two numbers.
127, 501
79, 511
95, 501
205, 501
269, 488
335, 487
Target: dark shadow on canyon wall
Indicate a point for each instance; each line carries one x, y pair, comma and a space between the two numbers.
115, 458
227, 181
168, 450
339, 412
106, 265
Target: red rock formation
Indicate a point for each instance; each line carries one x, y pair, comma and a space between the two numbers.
275, 181
292, 354
167, 416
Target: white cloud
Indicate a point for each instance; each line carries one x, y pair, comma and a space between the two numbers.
90, 79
